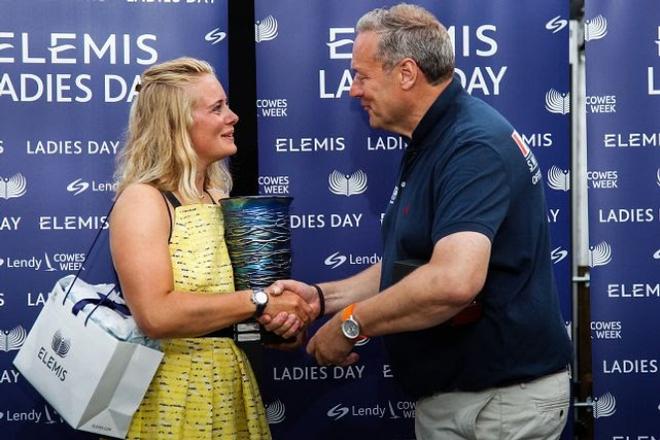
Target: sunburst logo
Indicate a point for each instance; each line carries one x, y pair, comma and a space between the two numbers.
556, 102
604, 406
265, 29
13, 187
275, 412
600, 255
347, 185
596, 28
13, 339
559, 179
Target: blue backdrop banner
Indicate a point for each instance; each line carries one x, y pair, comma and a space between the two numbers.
67, 77
315, 144
624, 206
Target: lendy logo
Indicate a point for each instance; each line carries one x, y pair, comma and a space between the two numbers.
337, 412
275, 412
33, 416
657, 177
347, 185
656, 255
559, 179
556, 24
13, 339
265, 29
21, 263
60, 344
335, 260
558, 254
13, 187
604, 406
77, 186
596, 28
556, 102
600, 255
215, 36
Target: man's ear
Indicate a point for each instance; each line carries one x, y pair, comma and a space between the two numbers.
408, 73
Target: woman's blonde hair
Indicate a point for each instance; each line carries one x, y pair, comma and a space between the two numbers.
158, 148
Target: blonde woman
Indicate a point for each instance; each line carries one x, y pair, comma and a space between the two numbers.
166, 235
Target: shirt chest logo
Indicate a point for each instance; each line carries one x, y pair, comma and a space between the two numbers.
532, 164
395, 193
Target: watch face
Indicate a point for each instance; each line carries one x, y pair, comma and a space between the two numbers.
350, 328
260, 297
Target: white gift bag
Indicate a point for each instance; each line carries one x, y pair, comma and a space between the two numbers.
94, 381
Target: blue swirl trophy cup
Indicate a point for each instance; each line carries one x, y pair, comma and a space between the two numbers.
258, 237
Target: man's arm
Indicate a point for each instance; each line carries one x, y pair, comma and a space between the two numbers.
429, 296
337, 295
434, 292
361, 286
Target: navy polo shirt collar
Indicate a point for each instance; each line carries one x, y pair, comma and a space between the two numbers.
435, 113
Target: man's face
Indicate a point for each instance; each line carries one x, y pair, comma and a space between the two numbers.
376, 88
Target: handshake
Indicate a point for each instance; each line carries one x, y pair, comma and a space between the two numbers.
292, 306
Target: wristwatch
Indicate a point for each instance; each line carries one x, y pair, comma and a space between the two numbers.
260, 299
349, 326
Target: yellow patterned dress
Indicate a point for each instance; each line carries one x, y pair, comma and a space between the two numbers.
204, 387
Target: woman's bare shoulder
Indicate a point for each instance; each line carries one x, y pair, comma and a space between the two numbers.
141, 201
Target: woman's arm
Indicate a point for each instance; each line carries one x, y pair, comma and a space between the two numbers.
139, 230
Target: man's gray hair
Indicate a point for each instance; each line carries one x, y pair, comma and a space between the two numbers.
410, 31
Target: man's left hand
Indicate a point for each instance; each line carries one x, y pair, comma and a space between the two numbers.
329, 346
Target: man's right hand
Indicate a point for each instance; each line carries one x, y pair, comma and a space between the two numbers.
282, 323
287, 313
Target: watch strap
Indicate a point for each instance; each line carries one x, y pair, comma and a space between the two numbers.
347, 314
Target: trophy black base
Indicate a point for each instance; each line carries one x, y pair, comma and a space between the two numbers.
249, 332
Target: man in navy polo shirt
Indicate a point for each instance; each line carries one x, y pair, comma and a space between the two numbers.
469, 203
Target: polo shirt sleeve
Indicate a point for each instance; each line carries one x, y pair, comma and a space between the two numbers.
471, 192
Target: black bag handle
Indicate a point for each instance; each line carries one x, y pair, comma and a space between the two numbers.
104, 299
